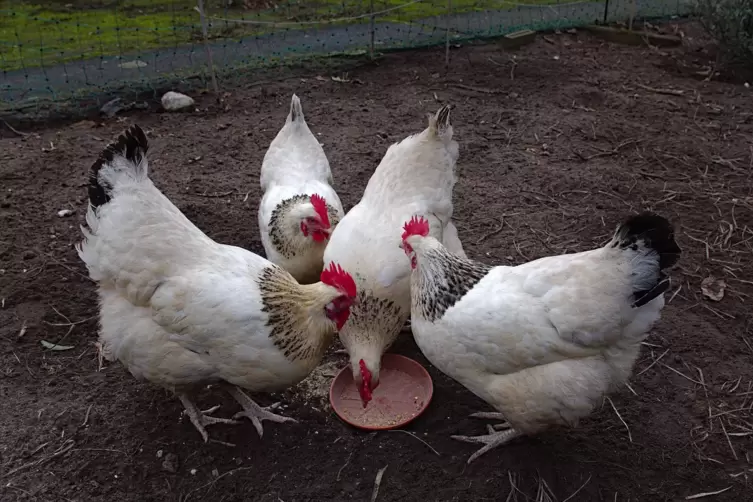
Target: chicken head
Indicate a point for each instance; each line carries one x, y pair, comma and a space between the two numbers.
417, 225
317, 226
338, 309
366, 383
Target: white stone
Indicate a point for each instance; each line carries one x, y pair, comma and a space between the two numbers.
174, 101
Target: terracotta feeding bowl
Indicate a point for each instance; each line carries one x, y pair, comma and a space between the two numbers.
404, 391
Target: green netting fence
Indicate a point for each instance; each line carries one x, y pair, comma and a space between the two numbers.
77, 54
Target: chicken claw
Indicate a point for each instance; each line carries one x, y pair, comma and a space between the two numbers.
256, 413
201, 419
491, 440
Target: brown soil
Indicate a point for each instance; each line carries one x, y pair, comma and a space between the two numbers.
553, 155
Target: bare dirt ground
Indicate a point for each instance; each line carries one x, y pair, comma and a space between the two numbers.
555, 151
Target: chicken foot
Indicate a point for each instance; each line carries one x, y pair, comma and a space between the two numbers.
202, 419
254, 412
491, 440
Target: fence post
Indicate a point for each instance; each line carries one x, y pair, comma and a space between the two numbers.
606, 11
205, 31
371, 27
447, 34
633, 13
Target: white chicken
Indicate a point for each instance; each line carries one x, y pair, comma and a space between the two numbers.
416, 175
541, 342
179, 309
299, 208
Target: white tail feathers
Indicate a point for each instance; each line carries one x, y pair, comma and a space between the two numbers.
296, 110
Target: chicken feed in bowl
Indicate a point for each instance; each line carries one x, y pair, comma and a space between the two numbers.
404, 391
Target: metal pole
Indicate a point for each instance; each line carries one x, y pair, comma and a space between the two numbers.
205, 31
371, 24
633, 12
447, 34
606, 11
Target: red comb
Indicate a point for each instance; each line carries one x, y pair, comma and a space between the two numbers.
338, 278
320, 206
418, 225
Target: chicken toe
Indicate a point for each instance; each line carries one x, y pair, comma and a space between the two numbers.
201, 419
492, 415
489, 415
490, 441
256, 413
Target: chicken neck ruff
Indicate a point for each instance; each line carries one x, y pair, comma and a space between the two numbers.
298, 231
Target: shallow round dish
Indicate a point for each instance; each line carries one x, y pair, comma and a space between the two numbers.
404, 391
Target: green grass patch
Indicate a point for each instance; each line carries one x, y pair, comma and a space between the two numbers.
51, 32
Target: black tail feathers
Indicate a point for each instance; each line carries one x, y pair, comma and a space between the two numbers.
655, 232
443, 117
132, 145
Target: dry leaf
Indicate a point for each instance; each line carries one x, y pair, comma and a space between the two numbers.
713, 288
23, 330
54, 346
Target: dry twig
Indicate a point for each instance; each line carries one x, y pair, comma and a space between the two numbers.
670, 92
412, 434
630, 436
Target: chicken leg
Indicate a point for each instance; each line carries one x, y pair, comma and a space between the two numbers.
491, 440
201, 419
254, 412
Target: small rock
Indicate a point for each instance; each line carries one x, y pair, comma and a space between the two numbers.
136, 63
159, 453
174, 101
713, 288
193, 472
65, 212
112, 107
170, 464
